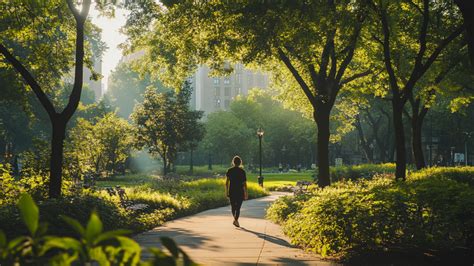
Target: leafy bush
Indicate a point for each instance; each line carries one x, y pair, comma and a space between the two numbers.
463, 174
353, 172
284, 206
90, 245
425, 212
11, 187
78, 207
100, 147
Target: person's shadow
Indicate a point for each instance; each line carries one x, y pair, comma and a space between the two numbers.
272, 239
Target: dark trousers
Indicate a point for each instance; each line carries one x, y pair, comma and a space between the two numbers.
235, 204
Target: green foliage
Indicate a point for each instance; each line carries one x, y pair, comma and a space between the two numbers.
100, 147
165, 200
460, 174
165, 122
234, 132
28, 182
284, 206
226, 135
425, 212
90, 245
366, 171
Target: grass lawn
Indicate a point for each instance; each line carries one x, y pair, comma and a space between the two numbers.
271, 179
276, 179
131, 180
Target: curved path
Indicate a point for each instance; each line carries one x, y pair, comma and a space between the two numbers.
210, 238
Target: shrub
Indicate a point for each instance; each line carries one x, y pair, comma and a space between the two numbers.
78, 207
279, 211
90, 245
29, 182
372, 215
353, 172
463, 174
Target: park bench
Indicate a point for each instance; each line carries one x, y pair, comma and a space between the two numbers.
124, 201
301, 187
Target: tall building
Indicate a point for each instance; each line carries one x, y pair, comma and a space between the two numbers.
95, 85
212, 94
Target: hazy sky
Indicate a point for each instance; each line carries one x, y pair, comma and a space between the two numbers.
111, 36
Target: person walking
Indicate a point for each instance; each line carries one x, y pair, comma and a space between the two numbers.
236, 187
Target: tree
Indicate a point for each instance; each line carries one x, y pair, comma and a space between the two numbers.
193, 134
411, 38
164, 121
58, 119
100, 146
445, 79
313, 41
227, 135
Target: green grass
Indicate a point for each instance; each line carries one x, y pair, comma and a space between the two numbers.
202, 170
132, 180
272, 180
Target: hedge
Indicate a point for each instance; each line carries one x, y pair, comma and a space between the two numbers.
432, 210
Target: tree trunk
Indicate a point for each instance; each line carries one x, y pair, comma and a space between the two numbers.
321, 116
191, 166
2, 150
386, 147
467, 9
416, 124
365, 146
401, 160
209, 165
165, 163
57, 145
58, 120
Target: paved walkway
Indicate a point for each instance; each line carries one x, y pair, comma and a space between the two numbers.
210, 238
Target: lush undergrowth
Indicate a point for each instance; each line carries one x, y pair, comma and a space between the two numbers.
164, 199
86, 245
353, 172
432, 211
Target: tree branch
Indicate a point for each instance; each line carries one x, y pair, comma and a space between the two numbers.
297, 76
42, 97
421, 40
75, 96
387, 54
441, 46
314, 77
326, 54
350, 51
415, 6
332, 71
73, 9
356, 76
406, 113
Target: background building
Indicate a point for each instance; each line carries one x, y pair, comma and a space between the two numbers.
95, 85
212, 94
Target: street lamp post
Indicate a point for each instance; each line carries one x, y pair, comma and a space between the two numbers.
468, 136
260, 136
283, 150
